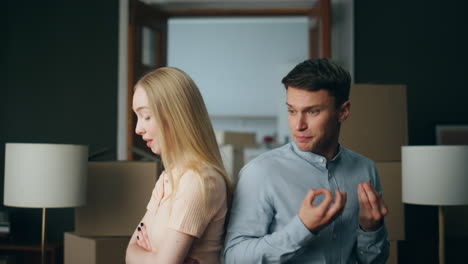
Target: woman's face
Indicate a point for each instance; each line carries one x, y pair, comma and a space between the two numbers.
146, 124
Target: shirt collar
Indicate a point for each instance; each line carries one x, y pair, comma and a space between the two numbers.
315, 158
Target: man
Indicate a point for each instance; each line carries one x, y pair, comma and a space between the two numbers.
311, 200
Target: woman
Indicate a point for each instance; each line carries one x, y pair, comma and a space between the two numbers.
184, 222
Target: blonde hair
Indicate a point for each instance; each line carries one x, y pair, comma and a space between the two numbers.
185, 132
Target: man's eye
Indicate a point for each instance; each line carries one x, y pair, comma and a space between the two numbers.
314, 112
291, 111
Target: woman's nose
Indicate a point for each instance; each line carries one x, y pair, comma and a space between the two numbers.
138, 129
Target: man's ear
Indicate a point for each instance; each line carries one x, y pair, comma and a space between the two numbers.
345, 109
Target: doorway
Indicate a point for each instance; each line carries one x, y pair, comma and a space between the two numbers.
149, 21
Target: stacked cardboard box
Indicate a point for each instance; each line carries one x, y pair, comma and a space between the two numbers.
232, 145
240, 139
117, 195
233, 160
377, 128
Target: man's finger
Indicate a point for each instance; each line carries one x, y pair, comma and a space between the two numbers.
373, 189
338, 198
374, 200
327, 200
371, 196
363, 200
336, 208
383, 207
309, 198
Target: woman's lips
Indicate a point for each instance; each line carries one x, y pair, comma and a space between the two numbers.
148, 143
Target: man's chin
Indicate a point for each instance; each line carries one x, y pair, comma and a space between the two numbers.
304, 147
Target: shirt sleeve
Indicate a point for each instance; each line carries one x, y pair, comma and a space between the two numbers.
192, 210
248, 239
373, 247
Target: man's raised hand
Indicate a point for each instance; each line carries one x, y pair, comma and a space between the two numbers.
315, 218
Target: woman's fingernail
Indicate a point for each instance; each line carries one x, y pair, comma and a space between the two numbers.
138, 237
139, 229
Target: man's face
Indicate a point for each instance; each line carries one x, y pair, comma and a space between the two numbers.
314, 120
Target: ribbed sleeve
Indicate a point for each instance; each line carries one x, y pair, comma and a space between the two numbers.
191, 211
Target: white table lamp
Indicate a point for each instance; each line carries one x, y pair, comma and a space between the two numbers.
45, 176
435, 175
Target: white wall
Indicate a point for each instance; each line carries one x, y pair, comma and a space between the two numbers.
237, 62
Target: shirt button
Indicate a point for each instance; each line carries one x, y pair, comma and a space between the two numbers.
322, 160
362, 252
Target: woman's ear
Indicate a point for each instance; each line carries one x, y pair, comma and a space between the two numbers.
345, 109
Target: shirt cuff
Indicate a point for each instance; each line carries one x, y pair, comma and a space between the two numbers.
372, 236
299, 233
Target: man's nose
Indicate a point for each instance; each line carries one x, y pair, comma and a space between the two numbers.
301, 124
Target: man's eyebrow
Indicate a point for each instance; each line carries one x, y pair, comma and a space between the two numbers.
306, 107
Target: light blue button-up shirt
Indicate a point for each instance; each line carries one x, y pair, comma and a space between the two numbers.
264, 226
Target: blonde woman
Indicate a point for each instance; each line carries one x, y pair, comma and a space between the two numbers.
184, 221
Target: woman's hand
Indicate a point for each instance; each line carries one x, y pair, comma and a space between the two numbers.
142, 238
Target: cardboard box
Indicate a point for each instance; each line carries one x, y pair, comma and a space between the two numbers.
390, 177
117, 195
377, 126
94, 250
240, 139
233, 160
393, 257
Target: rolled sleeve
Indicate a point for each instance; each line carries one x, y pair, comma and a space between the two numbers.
372, 247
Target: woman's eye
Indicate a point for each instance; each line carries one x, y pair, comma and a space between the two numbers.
147, 118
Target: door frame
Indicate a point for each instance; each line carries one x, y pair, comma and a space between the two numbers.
319, 37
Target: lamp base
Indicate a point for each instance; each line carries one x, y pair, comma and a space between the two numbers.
441, 236
43, 238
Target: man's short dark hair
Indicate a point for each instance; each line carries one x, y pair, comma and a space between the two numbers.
320, 74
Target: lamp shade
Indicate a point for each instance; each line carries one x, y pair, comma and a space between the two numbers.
435, 175
45, 175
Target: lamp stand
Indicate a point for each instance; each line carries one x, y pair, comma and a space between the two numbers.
43, 239
441, 236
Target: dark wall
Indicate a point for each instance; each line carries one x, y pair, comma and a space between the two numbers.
60, 60
422, 44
